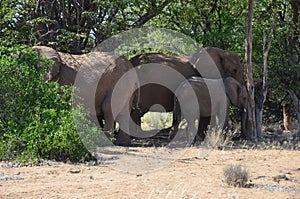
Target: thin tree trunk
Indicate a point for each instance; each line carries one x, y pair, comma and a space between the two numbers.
295, 102
251, 124
262, 98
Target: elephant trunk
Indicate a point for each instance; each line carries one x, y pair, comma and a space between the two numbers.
243, 123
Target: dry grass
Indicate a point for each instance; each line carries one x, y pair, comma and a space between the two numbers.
236, 175
217, 138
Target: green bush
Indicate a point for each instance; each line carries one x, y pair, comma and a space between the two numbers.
36, 118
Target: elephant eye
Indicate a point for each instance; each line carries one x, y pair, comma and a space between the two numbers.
234, 70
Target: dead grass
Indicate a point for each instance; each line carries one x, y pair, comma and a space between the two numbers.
236, 175
217, 138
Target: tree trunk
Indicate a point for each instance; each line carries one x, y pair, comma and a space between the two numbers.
262, 98
295, 102
287, 117
251, 124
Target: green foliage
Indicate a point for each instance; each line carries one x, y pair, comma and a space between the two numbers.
151, 39
36, 118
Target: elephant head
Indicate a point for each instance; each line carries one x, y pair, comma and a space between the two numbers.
228, 63
65, 65
215, 63
52, 55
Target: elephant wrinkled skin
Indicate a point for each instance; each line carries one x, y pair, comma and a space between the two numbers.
213, 98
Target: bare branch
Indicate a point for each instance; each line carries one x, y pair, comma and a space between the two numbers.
266, 50
149, 15
50, 32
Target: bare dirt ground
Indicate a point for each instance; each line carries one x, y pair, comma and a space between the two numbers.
197, 173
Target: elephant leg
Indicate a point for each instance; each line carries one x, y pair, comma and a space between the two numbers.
136, 116
135, 124
108, 118
191, 130
176, 115
176, 119
123, 138
243, 124
202, 128
213, 123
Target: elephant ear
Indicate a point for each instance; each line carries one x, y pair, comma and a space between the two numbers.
218, 57
209, 62
52, 55
233, 89
232, 66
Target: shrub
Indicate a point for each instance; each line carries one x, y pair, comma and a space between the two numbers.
36, 118
236, 175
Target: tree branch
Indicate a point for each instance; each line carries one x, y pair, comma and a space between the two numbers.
149, 15
50, 32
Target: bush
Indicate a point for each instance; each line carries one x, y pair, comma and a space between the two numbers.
236, 175
36, 118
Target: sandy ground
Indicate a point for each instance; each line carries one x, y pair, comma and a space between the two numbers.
194, 173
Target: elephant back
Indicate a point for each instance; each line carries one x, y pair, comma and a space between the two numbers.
71, 60
180, 64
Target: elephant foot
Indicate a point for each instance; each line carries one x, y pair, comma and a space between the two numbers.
172, 135
123, 139
198, 139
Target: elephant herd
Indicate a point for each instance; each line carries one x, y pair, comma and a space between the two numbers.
214, 76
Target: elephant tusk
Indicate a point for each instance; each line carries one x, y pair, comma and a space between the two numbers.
245, 110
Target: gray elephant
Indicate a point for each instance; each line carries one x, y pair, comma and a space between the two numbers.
227, 65
212, 98
152, 94
101, 71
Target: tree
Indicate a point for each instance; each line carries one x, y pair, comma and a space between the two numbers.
263, 96
251, 122
75, 26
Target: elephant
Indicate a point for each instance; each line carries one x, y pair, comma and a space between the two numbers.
101, 71
108, 105
213, 97
152, 94
227, 62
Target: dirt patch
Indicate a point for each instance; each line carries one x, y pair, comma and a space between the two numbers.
197, 173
